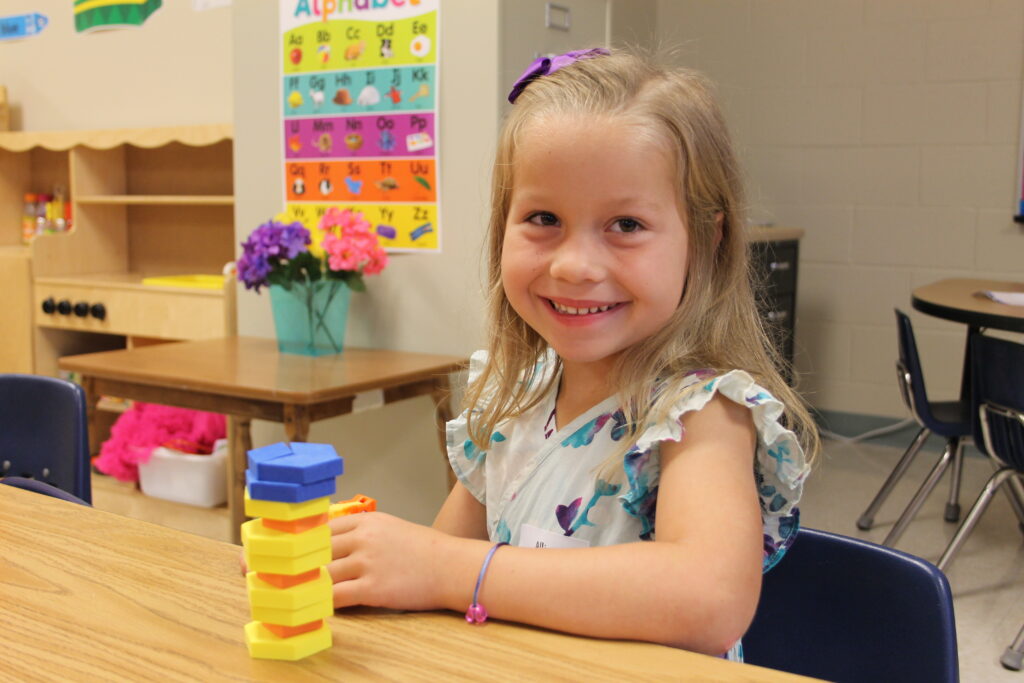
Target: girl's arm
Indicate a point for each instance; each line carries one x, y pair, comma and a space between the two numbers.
462, 515
696, 586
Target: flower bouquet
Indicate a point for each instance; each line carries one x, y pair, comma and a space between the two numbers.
310, 281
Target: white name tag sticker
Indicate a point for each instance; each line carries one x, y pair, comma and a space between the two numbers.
534, 537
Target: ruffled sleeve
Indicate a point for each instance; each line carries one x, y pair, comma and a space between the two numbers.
779, 466
466, 459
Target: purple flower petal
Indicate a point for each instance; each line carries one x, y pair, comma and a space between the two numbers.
565, 514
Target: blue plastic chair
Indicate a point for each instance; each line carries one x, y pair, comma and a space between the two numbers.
42, 487
997, 392
843, 609
44, 432
950, 419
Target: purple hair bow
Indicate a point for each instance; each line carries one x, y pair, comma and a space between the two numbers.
542, 66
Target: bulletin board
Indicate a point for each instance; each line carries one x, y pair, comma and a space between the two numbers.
359, 103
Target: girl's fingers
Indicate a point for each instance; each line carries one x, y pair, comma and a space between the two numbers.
342, 546
345, 523
347, 593
343, 570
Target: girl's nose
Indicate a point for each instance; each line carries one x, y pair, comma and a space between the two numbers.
577, 259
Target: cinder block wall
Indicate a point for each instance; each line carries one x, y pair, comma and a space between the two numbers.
888, 130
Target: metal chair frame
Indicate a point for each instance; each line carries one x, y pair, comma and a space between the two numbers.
1003, 473
951, 455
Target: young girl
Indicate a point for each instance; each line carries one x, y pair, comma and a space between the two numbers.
627, 417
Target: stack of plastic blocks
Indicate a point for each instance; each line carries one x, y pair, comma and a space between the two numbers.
288, 489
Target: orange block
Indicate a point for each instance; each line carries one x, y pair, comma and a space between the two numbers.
289, 631
296, 526
289, 580
352, 506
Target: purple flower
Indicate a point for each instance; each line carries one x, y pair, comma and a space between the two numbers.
268, 247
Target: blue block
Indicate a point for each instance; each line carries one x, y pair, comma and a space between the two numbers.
288, 493
308, 462
275, 450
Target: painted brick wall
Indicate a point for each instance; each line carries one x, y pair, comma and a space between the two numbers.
888, 130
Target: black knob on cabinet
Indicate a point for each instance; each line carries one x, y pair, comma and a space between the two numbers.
82, 309
98, 311
64, 307
49, 305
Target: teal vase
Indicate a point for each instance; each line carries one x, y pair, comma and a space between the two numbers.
310, 317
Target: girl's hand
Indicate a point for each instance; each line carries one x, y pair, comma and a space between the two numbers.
383, 561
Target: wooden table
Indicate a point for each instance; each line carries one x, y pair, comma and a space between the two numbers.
958, 300
88, 595
247, 378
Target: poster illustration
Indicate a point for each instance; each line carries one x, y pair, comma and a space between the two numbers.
359, 82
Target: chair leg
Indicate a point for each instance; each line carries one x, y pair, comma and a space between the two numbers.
1014, 654
952, 512
984, 498
867, 519
1015, 492
922, 494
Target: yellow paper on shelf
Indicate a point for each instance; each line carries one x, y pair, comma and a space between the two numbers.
191, 281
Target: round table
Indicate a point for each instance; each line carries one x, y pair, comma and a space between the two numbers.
958, 299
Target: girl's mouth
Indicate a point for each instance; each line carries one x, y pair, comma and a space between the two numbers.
580, 310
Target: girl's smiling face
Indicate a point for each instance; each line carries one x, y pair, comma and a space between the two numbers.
595, 247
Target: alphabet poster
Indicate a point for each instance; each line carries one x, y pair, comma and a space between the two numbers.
359, 111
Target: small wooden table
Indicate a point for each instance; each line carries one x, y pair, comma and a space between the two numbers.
88, 595
247, 378
958, 300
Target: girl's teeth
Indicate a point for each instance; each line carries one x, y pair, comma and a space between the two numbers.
569, 310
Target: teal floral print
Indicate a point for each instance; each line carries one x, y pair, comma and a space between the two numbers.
566, 514
471, 452
544, 477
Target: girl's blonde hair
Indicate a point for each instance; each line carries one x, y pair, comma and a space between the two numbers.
716, 324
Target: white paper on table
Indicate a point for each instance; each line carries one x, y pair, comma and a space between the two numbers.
1011, 298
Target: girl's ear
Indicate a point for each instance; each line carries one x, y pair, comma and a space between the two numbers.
719, 225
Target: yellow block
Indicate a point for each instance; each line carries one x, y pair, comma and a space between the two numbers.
293, 617
272, 509
260, 540
263, 594
263, 644
271, 564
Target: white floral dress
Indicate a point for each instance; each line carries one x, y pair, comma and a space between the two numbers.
535, 480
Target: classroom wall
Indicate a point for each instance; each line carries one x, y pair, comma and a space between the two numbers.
421, 302
888, 130
174, 70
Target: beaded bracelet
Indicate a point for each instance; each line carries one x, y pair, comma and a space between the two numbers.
476, 614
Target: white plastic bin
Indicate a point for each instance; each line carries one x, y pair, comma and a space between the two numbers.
187, 478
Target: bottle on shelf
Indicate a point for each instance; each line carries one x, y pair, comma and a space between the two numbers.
57, 209
28, 218
42, 202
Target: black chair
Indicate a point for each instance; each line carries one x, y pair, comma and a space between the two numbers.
997, 392
44, 432
950, 419
843, 609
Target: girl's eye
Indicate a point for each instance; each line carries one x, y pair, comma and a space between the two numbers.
543, 218
627, 225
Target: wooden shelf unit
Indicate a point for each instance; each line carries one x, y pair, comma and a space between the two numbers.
145, 201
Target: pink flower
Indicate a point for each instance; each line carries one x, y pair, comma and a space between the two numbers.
378, 260
349, 243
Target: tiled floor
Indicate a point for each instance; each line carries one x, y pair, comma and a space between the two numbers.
986, 577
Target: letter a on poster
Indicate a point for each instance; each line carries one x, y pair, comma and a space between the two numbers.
359, 120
